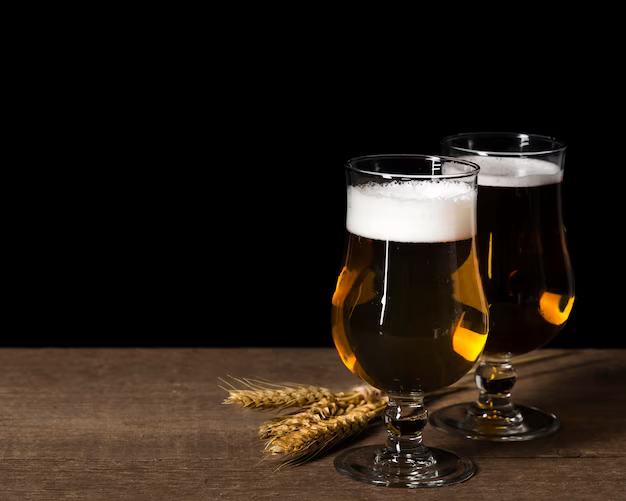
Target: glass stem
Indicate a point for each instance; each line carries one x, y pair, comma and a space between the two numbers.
495, 377
405, 418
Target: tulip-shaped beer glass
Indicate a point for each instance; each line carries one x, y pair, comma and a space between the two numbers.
409, 314
525, 270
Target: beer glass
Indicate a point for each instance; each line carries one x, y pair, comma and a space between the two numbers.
409, 314
525, 270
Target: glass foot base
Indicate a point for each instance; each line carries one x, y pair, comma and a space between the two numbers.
360, 464
456, 420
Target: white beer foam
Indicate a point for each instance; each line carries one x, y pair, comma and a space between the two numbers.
514, 172
412, 211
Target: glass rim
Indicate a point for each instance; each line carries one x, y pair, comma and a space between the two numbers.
475, 168
520, 135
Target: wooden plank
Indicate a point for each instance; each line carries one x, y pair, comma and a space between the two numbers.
149, 424
234, 479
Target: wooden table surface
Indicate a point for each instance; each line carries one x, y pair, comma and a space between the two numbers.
139, 424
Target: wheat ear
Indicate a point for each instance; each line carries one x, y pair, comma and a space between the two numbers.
323, 409
314, 437
264, 395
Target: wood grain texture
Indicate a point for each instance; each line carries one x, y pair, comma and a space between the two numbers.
149, 424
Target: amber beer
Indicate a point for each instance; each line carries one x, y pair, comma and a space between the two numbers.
408, 311
524, 263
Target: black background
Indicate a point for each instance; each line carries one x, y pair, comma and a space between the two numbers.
214, 216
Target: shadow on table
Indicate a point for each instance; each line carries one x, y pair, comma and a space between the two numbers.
588, 400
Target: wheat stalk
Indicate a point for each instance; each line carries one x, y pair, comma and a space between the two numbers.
323, 420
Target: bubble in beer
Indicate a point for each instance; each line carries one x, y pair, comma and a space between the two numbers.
412, 211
